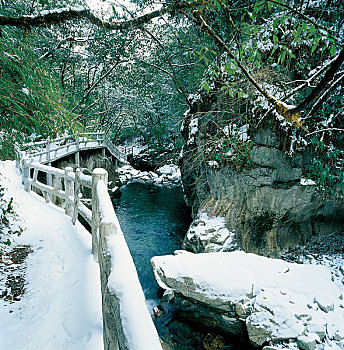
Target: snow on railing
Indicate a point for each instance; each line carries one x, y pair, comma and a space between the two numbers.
126, 319
49, 150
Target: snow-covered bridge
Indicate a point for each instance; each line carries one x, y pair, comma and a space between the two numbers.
48, 151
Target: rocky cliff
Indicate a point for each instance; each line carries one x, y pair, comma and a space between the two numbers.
264, 198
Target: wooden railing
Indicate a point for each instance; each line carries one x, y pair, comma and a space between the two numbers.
49, 150
125, 326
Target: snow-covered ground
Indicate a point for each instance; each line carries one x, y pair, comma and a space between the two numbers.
61, 308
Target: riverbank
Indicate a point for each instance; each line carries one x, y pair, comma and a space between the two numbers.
295, 302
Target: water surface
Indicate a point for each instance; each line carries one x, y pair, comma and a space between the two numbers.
154, 221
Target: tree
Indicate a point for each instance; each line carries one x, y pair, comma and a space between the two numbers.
248, 53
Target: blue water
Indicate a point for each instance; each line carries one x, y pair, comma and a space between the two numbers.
154, 221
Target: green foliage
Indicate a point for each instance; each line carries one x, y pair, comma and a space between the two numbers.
327, 168
7, 148
232, 151
31, 101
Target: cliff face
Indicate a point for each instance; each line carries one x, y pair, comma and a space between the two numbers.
266, 203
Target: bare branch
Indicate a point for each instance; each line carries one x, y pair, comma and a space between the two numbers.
321, 98
323, 130
174, 74
322, 84
156, 67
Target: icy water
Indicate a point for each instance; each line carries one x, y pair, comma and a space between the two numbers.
154, 221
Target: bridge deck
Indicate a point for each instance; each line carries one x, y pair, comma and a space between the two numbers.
54, 151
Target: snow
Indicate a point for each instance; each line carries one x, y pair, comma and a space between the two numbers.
240, 132
26, 91
210, 232
213, 164
124, 283
193, 129
62, 9
167, 175
61, 308
307, 182
283, 300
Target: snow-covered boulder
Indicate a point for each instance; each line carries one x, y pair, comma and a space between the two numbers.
168, 175
277, 300
167, 169
208, 233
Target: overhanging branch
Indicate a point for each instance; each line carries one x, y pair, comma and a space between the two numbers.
56, 16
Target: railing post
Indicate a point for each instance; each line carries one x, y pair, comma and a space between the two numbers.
76, 195
19, 163
98, 174
48, 151
69, 191
77, 154
26, 174
49, 176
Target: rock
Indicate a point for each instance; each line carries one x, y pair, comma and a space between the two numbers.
133, 172
269, 157
168, 295
269, 295
126, 168
140, 181
266, 137
208, 233
267, 216
167, 169
283, 346
285, 174
318, 329
307, 342
115, 192
272, 319
207, 316
335, 331
123, 179
243, 308
324, 303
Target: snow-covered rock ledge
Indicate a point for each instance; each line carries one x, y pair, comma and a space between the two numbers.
284, 305
167, 175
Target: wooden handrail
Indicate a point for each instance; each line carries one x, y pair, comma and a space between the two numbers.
80, 142
109, 248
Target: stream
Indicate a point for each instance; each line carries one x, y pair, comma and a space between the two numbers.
154, 221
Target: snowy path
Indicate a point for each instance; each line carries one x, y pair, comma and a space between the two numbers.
61, 309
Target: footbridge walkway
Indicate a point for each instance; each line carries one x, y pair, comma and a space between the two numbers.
127, 323
48, 151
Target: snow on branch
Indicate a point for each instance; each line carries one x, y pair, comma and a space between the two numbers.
287, 112
56, 16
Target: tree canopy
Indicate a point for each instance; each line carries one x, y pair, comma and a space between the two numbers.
135, 72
